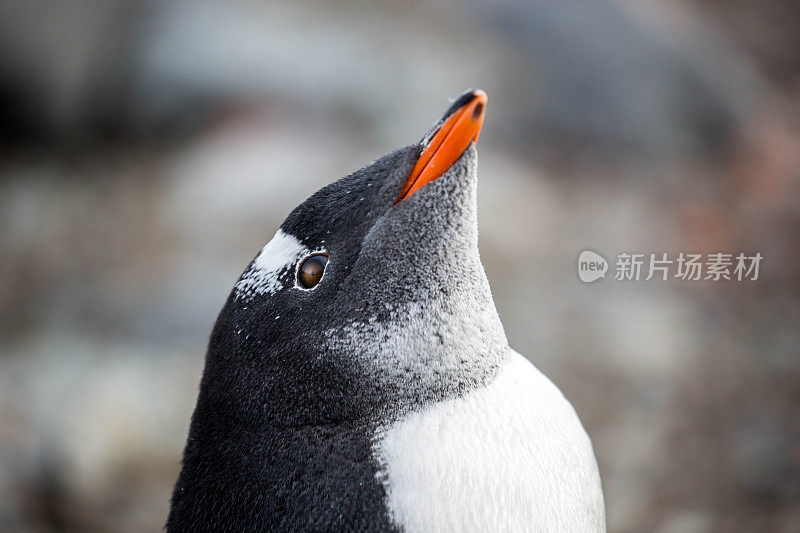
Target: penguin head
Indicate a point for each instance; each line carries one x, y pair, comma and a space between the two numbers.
370, 297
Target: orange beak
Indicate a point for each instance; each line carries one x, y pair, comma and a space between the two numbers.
462, 127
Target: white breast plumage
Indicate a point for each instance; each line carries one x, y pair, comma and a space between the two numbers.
511, 456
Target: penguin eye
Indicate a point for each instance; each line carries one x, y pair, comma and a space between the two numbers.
311, 270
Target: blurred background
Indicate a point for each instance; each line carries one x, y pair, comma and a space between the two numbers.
149, 149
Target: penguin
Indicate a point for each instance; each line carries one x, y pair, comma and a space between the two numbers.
358, 377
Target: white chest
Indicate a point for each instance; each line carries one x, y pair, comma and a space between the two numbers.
511, 456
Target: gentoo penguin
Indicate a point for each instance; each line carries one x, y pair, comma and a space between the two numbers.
358, 377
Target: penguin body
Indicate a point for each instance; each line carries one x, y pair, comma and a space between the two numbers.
456, 465
375, 390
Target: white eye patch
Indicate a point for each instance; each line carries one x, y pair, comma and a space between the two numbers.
278, 257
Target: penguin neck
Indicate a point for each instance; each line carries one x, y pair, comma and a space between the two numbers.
434, 332
444, 342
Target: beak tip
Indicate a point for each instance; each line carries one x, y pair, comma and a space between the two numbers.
478, 110
478, 102
460, 127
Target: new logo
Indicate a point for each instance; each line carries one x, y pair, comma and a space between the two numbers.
591, 266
